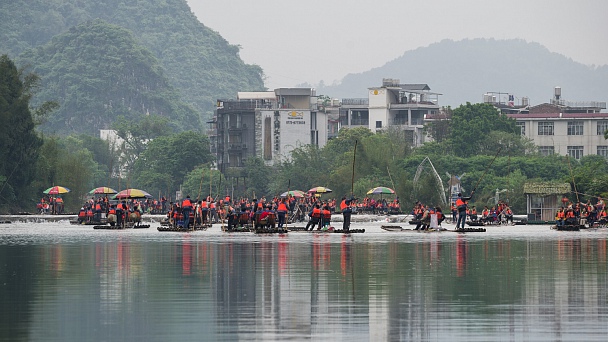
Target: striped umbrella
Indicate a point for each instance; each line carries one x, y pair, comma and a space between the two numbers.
294, 193
55, 190
132, 193
103, 190
320, 190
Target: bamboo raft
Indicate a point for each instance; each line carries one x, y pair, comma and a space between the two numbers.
331, 230
167, 228
270, 231
569, 227
467, 230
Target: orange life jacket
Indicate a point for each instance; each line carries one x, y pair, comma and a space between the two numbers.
343, 205
326, 213
316, 212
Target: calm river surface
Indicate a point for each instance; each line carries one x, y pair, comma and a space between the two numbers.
519, 283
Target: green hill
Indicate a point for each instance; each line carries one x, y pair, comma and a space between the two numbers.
97, 72
200, 64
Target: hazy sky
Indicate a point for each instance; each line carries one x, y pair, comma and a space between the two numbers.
308, 41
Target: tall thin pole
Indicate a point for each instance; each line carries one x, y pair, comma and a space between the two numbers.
488, 167
572, 176
389, 176
287, 214
352, 182
200, 186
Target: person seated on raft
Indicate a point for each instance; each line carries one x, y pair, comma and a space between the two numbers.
560, 217
472, 214
440, 215
570, 217
425, 220
508, 214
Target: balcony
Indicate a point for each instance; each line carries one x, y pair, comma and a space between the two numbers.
247, 105
237, 147
355, 102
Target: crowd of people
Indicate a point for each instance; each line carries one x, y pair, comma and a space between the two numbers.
579, 213
50, 205
315, 210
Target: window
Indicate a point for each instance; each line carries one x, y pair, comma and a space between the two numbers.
546, 150
378, 124
602, 151
602, 126
545, 128
575, 128
575, 152
522, 127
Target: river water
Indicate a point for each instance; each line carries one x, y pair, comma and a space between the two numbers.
518, 283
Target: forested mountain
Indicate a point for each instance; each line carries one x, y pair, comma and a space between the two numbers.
97, 72
464, 70
200, 64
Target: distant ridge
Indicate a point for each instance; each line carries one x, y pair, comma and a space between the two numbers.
464, 70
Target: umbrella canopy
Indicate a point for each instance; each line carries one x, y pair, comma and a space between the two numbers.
294, 193
133, 193
381, 190
55, 190
320, 190
103, 190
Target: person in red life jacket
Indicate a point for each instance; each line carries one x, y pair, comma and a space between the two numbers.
186, 209
89, 214
315, 216
204, 210
560, 217
120, 209
325, 216
82, 215
112, 215
570, 217
461, 206
346, 213
212, 211
98, 211
282, 212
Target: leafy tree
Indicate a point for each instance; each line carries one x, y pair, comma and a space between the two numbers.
163, 166
473, 123
19, 142
135, 135
258, 178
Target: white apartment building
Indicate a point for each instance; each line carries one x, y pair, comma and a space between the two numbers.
404, 106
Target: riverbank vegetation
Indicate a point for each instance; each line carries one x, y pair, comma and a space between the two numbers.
474, 142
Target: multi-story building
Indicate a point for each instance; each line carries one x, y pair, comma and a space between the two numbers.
268, 125
403, 106
566, 128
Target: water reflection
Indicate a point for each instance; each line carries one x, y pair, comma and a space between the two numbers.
307, 286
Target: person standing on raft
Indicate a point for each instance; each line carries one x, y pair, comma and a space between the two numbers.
461, 206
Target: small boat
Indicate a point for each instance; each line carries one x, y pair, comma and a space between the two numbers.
569, 227
393, 228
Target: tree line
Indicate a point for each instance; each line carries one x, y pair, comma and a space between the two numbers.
473, 141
